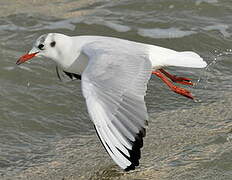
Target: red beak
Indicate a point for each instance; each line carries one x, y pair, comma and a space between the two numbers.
25, 58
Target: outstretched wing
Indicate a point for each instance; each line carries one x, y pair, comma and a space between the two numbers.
114, 85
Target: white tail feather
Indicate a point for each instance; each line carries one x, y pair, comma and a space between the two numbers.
166, 57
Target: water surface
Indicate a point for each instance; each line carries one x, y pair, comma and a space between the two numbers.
45, 130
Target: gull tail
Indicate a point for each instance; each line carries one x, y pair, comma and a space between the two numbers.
161, 57
186, 59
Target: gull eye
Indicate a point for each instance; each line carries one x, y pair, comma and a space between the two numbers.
53, 43
41, 46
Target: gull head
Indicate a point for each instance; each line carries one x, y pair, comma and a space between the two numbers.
54, 46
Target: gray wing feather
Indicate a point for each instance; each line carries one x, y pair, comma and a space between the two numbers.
114, 84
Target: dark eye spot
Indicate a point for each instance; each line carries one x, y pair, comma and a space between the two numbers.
53, 43
41, 46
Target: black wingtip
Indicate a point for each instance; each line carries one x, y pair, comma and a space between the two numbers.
135, 152
71, 75
129, 168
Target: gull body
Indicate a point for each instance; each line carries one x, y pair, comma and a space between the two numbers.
114, 76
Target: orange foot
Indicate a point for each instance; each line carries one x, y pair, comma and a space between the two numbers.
174, 88
176, 79
182, 91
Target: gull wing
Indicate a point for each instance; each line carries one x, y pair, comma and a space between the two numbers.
114, 84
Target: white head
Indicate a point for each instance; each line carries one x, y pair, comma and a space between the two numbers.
54, 46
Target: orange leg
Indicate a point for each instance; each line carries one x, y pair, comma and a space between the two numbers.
174, 88
176, 79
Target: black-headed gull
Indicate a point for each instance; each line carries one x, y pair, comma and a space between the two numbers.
114, 74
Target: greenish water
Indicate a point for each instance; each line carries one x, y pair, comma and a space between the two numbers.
45, 130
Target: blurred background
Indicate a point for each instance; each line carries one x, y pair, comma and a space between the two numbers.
45, 130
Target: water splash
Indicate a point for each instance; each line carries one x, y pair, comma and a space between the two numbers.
216, 57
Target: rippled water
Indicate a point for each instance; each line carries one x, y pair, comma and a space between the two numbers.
45, 130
